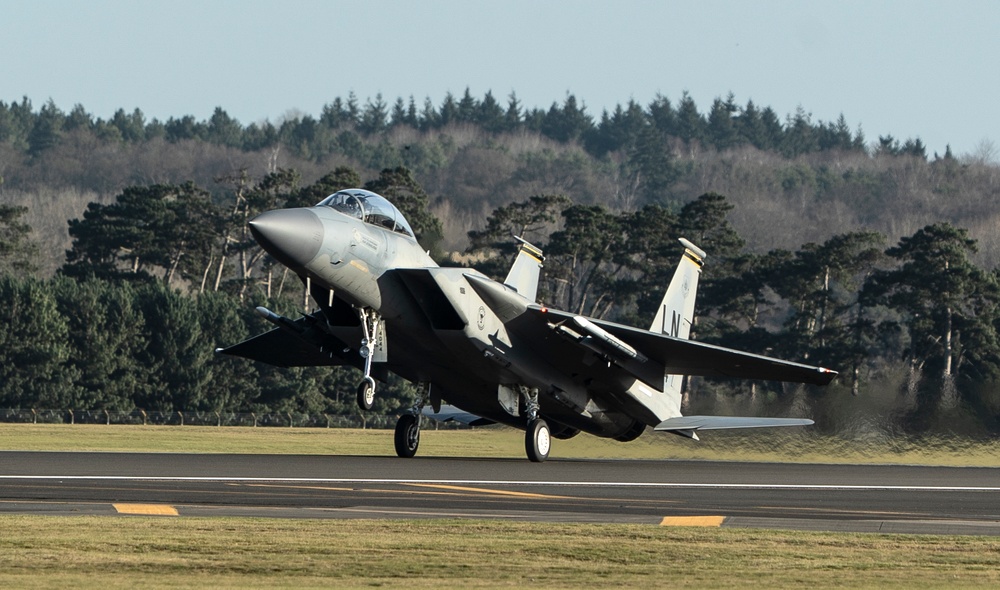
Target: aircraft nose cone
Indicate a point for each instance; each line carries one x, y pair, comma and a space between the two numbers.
292, 236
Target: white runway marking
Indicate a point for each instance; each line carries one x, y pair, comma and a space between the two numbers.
498, 482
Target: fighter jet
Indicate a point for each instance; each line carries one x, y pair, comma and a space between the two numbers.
483, 351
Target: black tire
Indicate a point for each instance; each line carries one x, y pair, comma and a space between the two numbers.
366, 394
538, 440
407, 437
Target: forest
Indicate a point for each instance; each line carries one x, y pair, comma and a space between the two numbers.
126, 261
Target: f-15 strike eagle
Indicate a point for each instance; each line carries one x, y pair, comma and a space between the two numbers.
484, 348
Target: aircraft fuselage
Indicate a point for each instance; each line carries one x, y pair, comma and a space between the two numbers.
487, 347
463, 349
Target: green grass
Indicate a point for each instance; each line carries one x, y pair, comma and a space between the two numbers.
788, 445
126, 552
88, 552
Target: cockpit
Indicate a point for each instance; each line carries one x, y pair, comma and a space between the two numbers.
370, 208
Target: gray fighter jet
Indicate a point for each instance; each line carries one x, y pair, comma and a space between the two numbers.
487, 349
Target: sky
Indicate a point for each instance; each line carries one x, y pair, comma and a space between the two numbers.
910, 69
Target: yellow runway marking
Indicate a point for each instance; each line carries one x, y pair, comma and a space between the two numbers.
146, 509
289, 487
491, 492
448, 490
705, 521
453, 492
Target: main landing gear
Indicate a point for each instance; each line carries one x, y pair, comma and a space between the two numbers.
537, 435
366, 389
407, 437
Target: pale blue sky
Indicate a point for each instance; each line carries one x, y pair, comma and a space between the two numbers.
911, 69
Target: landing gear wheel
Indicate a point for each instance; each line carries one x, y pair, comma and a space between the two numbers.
366, 394
407, 435
538, 440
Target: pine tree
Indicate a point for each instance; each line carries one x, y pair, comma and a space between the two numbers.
47, 130
584, 260
34, 347
106, 331
800, 136
490, 115
531, 219
467, 109
950, 305
17, 251
750, 126
690, 124
722, 132
165, 227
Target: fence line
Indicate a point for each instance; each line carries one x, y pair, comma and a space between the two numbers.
268, 419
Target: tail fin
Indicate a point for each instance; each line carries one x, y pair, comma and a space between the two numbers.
676, 311
674, 318
523, 275
675, 315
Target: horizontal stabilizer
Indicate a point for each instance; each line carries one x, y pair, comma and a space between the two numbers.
692, 423
449, 413
284, 349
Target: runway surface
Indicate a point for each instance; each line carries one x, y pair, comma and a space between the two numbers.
896, 499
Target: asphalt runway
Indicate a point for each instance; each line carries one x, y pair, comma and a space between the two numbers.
862, 498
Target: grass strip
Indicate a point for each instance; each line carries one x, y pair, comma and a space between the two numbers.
781, 445
151, 552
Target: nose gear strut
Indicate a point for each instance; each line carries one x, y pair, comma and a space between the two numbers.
372, 345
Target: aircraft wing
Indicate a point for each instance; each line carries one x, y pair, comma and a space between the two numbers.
679, 356
296, 345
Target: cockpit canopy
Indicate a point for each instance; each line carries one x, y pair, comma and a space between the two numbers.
368, 207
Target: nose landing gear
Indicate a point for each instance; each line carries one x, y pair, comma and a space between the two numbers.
366, 393
372, 345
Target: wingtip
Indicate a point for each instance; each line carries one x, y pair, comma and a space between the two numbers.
826, 375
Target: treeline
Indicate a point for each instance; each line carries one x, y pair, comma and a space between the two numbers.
165, 273
724, 125
647, 147
813, 179
138, 344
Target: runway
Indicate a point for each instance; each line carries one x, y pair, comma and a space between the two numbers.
863, 498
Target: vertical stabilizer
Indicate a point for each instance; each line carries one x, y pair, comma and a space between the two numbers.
523, 275
675, 316
676, 311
